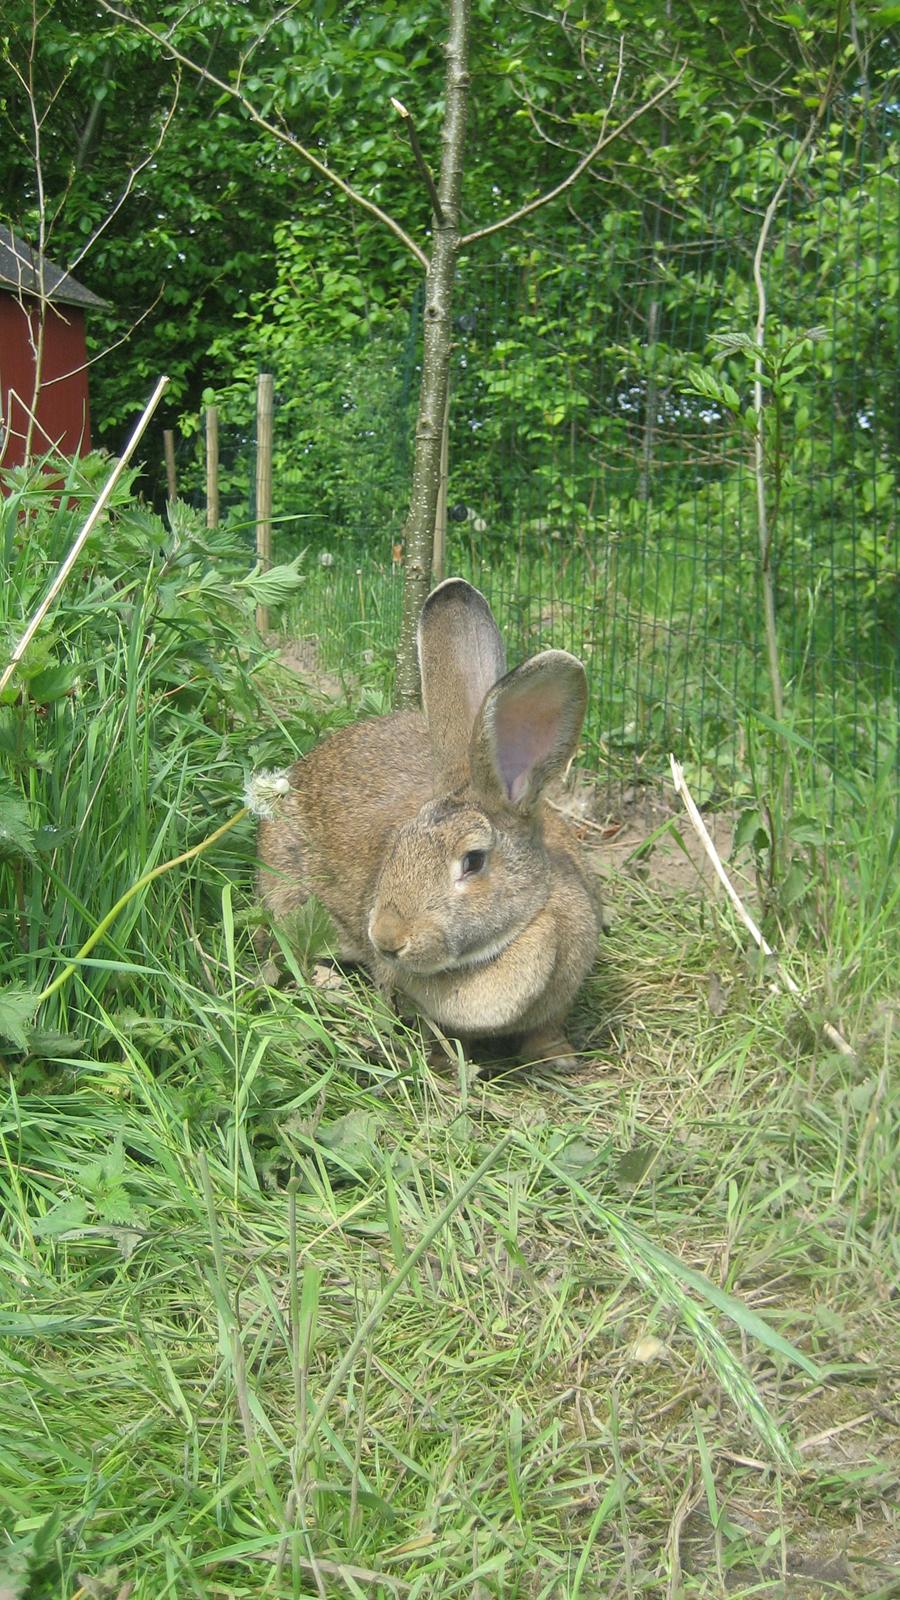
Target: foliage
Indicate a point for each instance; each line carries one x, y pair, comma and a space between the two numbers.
576, 442
357, 1335
194, 1167
179, 237
340, 448
577, 408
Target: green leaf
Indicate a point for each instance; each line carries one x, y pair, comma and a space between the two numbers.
807, 830
184, 521
794, 885
634, 1164
23, 1556
750, 830
115, 1206
350, 1141
17, 1007
580, 1156
54, 683
67, 1214
311, 930
114, 1165
275, 586
16, 831
49, 1045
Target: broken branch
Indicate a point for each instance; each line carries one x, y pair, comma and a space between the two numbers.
421, 163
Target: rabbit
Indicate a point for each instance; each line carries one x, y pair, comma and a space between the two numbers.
427, 837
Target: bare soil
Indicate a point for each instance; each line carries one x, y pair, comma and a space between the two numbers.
301, 657
643, 832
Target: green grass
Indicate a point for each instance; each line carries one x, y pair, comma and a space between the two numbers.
290, 1307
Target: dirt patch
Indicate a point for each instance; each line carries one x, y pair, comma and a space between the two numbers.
301, 657
817, 1560
645, 833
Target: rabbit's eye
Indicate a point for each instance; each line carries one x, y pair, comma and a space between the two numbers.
472, 862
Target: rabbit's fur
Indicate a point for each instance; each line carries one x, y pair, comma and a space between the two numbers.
428, 838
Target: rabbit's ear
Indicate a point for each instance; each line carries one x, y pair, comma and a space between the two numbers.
528, 728
461, 656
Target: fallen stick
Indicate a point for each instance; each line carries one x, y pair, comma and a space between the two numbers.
699, 826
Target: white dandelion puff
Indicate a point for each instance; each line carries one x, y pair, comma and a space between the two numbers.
262, 792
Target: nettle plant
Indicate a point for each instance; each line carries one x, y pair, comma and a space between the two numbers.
132, 719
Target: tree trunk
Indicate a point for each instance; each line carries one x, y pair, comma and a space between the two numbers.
419, 531
439, 552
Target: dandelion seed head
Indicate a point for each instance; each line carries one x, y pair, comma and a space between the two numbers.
262, 792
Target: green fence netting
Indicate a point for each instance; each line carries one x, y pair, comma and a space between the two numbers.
602, 485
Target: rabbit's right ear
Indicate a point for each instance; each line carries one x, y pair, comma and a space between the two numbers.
527, 730
461, 657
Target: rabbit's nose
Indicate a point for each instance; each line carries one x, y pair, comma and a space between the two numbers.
388, 935
390, 954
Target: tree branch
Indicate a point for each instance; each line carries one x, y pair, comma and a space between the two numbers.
271, 128
132, 178
551, 194
421, 163
35, 339
89, 131
63, 377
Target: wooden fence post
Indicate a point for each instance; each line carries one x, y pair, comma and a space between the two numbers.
264, 409
169, 447
212, 466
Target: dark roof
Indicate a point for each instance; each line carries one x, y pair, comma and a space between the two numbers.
20, 270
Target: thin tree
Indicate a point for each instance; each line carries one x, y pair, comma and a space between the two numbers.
438, 264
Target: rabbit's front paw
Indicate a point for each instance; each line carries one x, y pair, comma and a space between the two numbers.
548, 1047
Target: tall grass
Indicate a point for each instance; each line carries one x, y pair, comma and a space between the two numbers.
288, 1308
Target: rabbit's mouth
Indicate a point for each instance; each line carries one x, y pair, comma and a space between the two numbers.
479, 955
407, 961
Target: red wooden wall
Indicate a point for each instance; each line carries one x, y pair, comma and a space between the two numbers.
63, 414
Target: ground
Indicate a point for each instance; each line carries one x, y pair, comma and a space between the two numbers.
706, 1099
293, 1307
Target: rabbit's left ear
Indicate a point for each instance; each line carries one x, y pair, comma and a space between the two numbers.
528, 728
460, 656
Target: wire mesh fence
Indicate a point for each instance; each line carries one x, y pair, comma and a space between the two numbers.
604, 487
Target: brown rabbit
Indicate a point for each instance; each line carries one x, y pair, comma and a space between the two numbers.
428, 838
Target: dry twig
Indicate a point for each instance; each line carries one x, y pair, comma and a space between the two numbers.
699, 826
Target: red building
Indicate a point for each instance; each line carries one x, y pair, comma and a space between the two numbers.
41, 316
